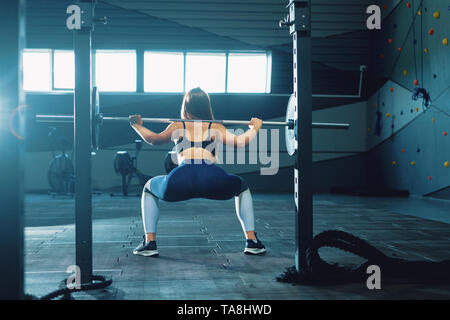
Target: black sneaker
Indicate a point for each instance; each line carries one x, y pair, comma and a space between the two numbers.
254, 246
146, 249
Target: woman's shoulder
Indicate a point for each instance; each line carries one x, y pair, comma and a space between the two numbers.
176, 125
217, 126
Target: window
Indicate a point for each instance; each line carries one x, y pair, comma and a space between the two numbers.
163, 72
248, 72
63, 69
37, 70
115, 70
206, 70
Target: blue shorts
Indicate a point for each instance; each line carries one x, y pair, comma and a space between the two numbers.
197, 180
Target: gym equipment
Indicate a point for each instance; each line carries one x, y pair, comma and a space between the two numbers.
298, 20
169, 165
421, 93
60, 174
87, 120
320, 272
97, 119
290, 136
126, 166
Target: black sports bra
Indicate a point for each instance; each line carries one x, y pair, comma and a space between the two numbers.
180, 147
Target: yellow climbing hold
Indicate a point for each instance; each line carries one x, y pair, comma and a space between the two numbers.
445, 41
419, 12
413, 163
436, 15
417, 109
426, 50
388, 115
433, 120
394, 163
405, 72
446, 164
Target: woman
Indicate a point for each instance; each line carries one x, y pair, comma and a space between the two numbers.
197, 176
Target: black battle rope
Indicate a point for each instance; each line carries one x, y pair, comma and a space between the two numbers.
99, 282
320, 272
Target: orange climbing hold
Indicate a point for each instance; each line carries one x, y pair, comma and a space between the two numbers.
445, 41
388, 115
433, 120
417, 109
403, 150
389, 40
436, 15
431, 31
446, 164
391, 89
416, 82
399, 49
413, 163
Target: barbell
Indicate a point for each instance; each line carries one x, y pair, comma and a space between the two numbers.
97, 120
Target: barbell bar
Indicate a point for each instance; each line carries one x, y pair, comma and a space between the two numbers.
97, 120
53, 118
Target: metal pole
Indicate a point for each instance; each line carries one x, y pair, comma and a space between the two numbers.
12, 39
300, 15
82, 144
69, 119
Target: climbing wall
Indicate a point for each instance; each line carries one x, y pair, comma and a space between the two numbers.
408, 122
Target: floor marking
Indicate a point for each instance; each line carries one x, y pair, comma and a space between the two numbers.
179, 247
182, 236
56, 271
94, 242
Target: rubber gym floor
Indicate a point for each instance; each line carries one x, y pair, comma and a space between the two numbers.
201, 243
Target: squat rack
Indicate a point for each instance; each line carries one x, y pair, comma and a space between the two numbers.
11, 225
299, 22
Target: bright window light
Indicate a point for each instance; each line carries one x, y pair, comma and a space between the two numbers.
63, 69
206, 70
37, 70
115, 70
163, 72
247, 72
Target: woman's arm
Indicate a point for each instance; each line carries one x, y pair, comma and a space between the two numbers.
242, 140
149, 136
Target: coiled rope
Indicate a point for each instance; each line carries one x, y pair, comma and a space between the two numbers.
320, 272
98, 282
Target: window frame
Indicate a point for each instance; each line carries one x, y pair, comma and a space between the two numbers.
137, 56
181, 52
268, 79
207, 52
53, 71
94, 68
50, 71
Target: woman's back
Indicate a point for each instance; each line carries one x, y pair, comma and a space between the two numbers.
195, 140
